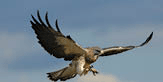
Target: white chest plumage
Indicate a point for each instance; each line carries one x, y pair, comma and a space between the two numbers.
79, 64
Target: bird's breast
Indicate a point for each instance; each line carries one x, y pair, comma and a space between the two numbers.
79, 64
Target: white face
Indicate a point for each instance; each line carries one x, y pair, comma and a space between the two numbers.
96, 56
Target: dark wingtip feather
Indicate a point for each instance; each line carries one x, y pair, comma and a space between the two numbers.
31, 15
34, 19
39, 17
56, 24
31, 22
147, 40
47, 21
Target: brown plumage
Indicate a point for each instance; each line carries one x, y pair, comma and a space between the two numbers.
61, 46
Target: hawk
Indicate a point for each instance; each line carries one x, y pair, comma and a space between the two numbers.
61, 46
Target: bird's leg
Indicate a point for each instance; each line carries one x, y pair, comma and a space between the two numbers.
91, 66
93, 70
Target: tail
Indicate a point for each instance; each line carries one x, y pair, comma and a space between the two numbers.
54, 76
63, 74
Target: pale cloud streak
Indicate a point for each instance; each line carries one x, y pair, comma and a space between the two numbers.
98, 78
14, 45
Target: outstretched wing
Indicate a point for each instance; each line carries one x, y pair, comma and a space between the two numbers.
53, 41
119, 49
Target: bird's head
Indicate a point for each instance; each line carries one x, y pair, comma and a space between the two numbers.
96, 52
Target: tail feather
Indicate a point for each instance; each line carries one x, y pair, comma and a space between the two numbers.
63, 74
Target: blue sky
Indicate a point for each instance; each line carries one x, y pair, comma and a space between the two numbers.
101, 23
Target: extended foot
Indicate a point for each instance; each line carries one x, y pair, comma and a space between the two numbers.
94, 71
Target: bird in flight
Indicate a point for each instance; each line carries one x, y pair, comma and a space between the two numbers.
61, 46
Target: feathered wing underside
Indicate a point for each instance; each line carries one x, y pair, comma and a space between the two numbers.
53, 41
119, 49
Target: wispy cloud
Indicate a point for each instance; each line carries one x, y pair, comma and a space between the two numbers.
98, 78
13, 45
15, 50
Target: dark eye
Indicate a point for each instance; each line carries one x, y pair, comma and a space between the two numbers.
96, 52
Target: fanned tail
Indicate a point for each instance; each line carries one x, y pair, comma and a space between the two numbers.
54, 76
63, 74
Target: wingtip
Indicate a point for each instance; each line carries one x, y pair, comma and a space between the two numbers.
34, 19
32, 16
150, 37
31, 22
37, 11
147, 40
151, 34
39, 17
47, 21
46, 13
56, 24
38, 14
